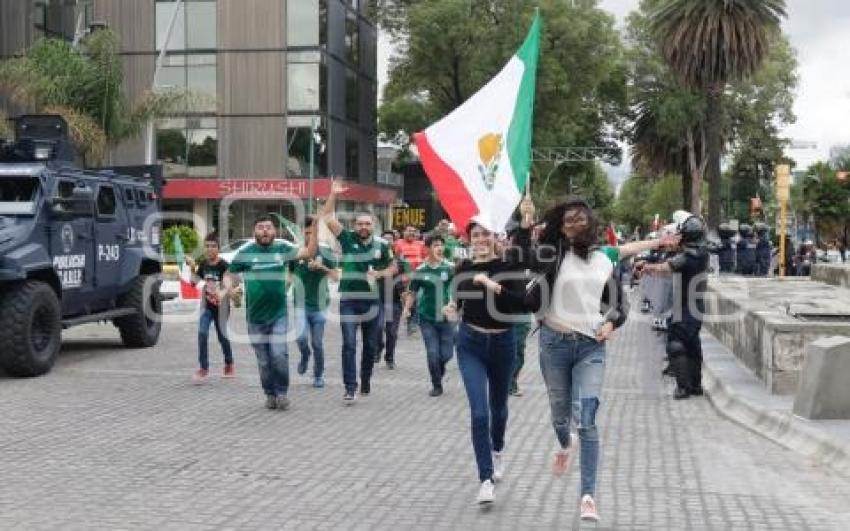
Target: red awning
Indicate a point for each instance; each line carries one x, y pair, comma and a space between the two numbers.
271, 188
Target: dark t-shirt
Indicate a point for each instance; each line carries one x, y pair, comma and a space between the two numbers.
689, 285
483, 308
212, 275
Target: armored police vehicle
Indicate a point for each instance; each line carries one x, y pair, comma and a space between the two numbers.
76, 246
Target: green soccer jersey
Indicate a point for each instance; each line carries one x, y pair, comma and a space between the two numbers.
357, 258
264, 270
310, 287
431, 284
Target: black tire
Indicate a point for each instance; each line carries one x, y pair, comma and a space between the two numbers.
141, 329
30, 329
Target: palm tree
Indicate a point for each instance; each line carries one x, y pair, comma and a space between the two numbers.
84, 87
708, 44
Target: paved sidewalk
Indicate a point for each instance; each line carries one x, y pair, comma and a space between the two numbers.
120, 439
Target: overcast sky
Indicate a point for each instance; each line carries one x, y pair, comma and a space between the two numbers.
820, 32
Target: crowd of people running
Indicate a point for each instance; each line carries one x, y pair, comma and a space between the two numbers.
477, 294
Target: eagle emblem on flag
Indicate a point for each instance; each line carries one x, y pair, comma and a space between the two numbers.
489, 151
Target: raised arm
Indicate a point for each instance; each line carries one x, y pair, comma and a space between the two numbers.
635, 248
327, 212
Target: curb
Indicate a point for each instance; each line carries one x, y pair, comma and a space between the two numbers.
778, 425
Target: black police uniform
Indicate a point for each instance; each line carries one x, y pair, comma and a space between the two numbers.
764, 250
746, 256
726, 256
684, 348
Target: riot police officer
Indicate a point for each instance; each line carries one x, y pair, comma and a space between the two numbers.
684, 349
746, 252
764, 250
726, 250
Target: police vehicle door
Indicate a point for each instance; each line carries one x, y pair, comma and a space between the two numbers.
72, 253
111, 229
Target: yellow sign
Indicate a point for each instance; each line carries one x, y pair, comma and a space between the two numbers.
408, 216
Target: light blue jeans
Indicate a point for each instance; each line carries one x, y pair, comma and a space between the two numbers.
573, 368
269, 342
311, 322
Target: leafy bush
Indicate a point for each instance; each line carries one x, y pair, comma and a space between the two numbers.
188, 238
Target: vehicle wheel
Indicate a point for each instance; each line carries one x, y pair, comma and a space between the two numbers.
141, 329
30, 329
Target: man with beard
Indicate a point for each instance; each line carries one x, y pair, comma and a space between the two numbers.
366, 261
264, 265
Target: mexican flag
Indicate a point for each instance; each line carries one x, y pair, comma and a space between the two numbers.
478, 157
187, 288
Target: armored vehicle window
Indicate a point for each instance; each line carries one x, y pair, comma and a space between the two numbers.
128, 196
17, 194
141, 197
106, 201
65, 189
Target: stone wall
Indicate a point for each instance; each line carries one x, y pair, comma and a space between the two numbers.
768, 322
833, 274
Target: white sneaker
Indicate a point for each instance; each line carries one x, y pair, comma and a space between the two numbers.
486, 493
498, 466
588, 509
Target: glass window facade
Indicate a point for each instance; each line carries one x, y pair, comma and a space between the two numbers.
60, 18
306, 80
194, 28
298, 147
188, 147
302, 23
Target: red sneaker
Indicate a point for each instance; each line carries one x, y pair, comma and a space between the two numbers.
229, 371
200, 376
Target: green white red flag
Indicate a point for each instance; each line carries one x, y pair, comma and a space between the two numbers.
478, 157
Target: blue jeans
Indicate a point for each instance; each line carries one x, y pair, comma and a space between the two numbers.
439, 343
269, 342
486, 362
312, 321
573, 368
217, 316
354, 313
389, 321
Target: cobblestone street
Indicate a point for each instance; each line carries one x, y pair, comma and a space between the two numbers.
121, 439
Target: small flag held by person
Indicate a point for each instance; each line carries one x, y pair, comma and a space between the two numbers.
478, 157
187, 288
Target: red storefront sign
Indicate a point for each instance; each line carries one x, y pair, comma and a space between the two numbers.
271, 188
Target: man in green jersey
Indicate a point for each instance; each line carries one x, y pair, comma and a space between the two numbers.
263, 265
366, 261
430, 286
311, 298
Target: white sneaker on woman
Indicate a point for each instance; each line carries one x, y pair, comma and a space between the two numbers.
588, 509
498, 466
486, 494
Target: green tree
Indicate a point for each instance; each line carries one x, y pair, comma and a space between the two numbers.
631, 205
708, 44
84, 86
823, 197
756, 109
188, 239
449, 49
